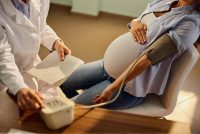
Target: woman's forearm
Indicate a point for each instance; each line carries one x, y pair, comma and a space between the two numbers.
138, 68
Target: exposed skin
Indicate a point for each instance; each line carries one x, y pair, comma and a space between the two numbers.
61, 48
138, 31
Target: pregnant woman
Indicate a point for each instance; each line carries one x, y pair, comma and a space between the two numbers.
179, 19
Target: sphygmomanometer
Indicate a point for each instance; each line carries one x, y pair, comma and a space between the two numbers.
161, 49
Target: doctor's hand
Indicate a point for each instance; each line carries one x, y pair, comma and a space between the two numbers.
138, 31
61, 48
106, 95
29, 99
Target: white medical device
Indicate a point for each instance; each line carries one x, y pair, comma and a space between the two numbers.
58, 112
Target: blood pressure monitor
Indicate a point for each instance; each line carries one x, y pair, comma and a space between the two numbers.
58, 112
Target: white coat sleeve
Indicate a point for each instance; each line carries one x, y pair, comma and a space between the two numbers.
48, 35
9, 72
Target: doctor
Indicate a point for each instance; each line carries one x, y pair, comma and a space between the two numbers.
22, 29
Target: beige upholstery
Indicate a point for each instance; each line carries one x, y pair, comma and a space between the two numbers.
159, 106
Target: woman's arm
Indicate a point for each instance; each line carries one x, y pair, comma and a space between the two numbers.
161, 49
130, 73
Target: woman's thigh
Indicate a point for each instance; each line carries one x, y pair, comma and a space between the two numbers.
87, 96
85, 76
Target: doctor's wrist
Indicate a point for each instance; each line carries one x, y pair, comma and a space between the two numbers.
56, 44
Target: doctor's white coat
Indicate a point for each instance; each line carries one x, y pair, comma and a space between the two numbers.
20, 39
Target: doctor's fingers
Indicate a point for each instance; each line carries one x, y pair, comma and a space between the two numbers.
29, 103
36, 100
64, 51
22, 104
61, 53
39, 95
67, 50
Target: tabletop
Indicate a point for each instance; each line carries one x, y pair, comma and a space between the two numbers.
96, 120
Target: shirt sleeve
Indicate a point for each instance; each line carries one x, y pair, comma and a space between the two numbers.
185, 35
9, 72
48, 35
175, 42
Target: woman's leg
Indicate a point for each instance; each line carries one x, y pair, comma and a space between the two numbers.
124, 100
84, 77
86, 98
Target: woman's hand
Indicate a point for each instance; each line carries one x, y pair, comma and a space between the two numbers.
29, 99
106, 95
138, 31
61, 48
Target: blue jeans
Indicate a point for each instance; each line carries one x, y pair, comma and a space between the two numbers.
93, 78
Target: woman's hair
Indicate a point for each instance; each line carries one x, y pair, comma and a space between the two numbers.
196, 4
197, 43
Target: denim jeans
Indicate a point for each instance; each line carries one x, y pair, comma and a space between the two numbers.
93, 78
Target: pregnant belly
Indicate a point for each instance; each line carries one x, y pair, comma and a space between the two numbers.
120, 54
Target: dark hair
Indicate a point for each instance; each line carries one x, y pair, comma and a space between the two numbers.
197, 43
196, 4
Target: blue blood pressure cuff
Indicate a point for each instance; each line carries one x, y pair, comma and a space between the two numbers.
161, 49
